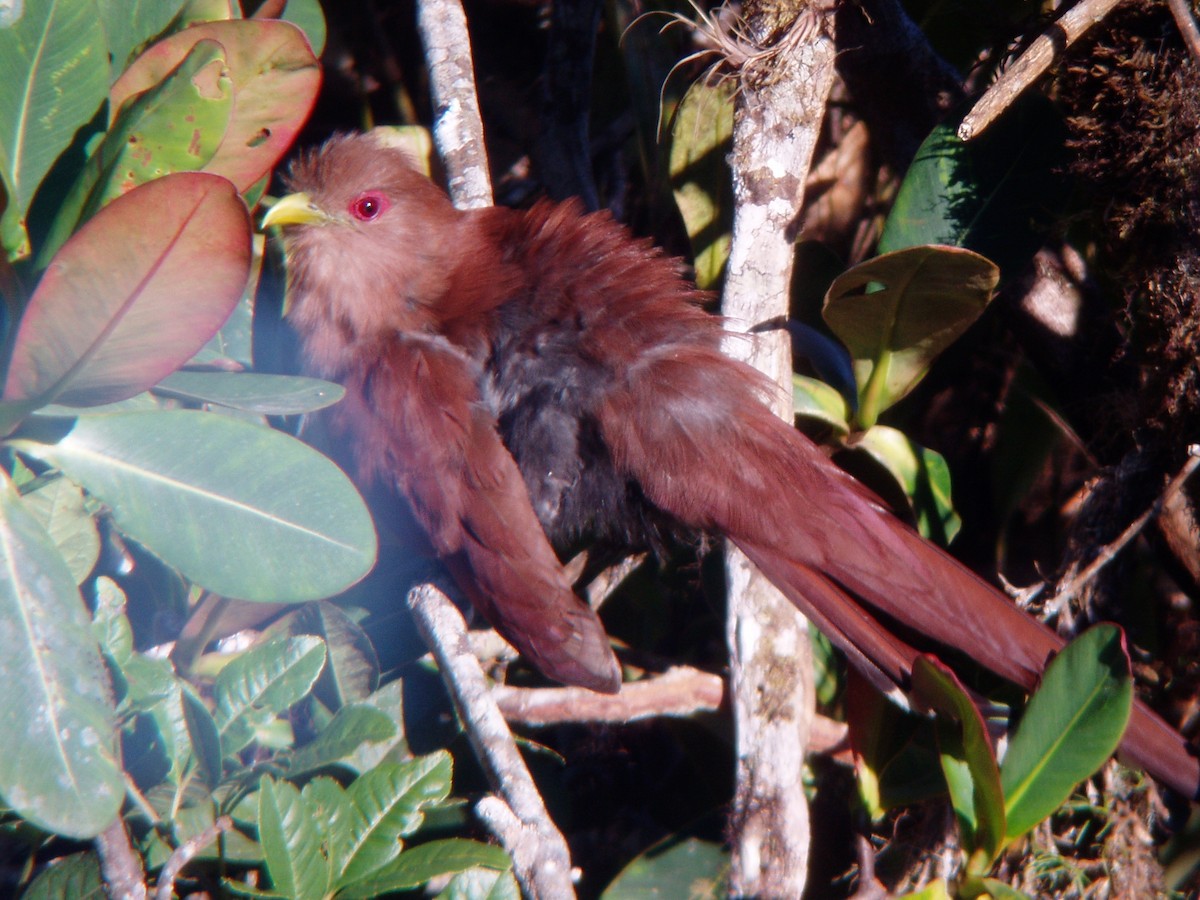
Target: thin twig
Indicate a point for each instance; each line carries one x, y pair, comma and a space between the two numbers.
541, 863
1182, 12
1070, 589
1033, 63
120, 866
183, 855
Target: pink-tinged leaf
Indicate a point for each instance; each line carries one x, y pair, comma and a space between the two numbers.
275, 79
134, 294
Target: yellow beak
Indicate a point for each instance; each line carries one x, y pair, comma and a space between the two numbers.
294, 209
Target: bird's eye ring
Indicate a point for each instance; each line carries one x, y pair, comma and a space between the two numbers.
369, 206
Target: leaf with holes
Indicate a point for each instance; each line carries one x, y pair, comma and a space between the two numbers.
134, 294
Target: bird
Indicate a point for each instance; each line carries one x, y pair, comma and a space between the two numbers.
525, 380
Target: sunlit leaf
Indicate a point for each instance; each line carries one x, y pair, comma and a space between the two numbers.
896, 313
967, 757
351, 727
291, 845
243, 510
65, 777
353, 670
275, 79
813, 399
59, 506
130, 23
416, 866
700, 141
268, 395
309, 18
385, 804
263, 682
1072, 725
134, 294
922, 475
75, 877
481, 884
54, 69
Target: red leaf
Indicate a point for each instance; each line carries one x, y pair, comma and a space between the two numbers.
134, 294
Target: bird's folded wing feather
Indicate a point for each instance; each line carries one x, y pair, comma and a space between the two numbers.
422, 424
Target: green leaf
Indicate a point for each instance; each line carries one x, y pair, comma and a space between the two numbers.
923, 476
268, 395
175, 126
65, 777
203, 735
54, 68
240, 509
389, 699
935, 890
130, 23
967, 758
897, 312
74, 877
263, 682
351, 727
353, 670
416, 866
700, 141
673, 868
291, 843
275, 79
309, 18
126, 302
384, 805
815, 399
110, 622
58, 505
1002, 891
1072, 725
482, 884
994, 194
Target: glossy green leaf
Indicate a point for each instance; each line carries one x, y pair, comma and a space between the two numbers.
54, 69
74, 877
481, 884
128, 24
389, 699
291, 843
993, 194
351, 727
109, 621
1072, 725
134, 293
59, 506
385, 804
263, 682
673, 868
700, 141
813, 399
268, 395
967, 758
65, 777
922, 475
937, 889
416, 866
243, 510
1001, 891
353, 670
896, 313
309, 18
275, 78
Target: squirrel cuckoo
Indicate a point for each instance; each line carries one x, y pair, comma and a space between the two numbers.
524, 379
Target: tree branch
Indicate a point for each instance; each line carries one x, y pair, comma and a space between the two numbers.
783, 88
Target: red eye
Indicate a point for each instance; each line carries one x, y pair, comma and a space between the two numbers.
368, 206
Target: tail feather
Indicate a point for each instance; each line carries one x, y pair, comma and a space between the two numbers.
827, 542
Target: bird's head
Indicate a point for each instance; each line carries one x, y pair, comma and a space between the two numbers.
369, 240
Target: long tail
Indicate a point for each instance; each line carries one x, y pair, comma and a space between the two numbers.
718, 462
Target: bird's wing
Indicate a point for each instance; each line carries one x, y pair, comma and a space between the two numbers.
680, 423
421, 426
